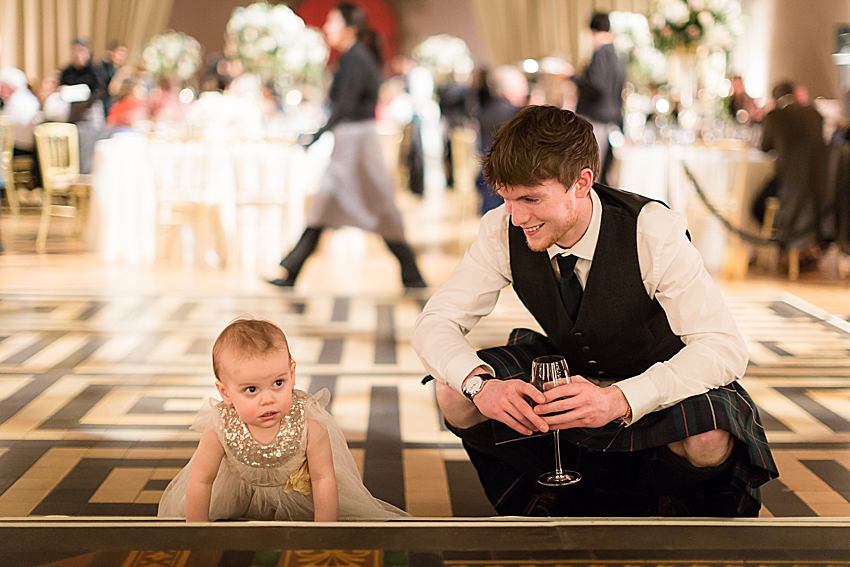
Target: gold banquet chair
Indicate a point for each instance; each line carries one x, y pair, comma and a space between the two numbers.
65, 189
185, 207
7, 146
264, 220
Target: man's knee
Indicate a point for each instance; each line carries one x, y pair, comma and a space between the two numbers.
708, 449
457, 410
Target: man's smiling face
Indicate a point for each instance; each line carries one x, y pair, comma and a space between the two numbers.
548, 213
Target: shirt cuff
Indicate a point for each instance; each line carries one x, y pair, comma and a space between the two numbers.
460, 367
641, 394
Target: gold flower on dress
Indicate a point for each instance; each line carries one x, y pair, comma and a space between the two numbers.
299, 480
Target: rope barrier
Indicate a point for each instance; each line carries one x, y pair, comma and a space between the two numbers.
740, 233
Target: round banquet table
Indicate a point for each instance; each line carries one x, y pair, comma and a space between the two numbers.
256, 188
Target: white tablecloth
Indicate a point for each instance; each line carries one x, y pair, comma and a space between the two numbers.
731, 177
257, 187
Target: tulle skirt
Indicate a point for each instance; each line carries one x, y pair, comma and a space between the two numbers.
237, 492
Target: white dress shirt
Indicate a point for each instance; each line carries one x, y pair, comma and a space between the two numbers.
672, 272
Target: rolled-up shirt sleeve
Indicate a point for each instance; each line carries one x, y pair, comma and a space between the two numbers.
470, 293
714, 354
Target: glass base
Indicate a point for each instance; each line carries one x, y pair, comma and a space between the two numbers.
562, 478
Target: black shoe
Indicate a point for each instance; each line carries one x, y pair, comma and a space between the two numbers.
415, 284
283, 282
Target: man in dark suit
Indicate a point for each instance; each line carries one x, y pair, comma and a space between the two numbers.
600, 88
795, 132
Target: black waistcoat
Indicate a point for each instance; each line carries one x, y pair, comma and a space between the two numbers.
619, 331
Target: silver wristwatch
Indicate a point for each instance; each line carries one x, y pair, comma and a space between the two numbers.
473, 385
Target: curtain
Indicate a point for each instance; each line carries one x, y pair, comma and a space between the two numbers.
36, 34
518, 29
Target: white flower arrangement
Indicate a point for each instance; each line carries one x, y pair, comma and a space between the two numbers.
633, 42
274, 43
690, 23
444, 55
173, 53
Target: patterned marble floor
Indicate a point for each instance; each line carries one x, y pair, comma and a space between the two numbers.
103, 366
97, 389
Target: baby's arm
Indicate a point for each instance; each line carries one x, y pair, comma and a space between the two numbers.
208, 457
320, 461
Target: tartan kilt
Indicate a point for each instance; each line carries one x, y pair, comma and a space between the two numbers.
729, 408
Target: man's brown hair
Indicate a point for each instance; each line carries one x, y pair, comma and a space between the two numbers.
539, 144
246, 338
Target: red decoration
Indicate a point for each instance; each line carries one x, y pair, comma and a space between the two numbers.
382, 19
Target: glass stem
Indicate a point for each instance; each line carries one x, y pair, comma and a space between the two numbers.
558, 470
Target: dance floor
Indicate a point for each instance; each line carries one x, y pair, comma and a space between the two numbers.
98, 391
102, 369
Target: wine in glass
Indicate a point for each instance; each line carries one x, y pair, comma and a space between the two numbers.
546, 373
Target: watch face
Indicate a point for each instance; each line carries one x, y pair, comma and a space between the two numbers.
472, 385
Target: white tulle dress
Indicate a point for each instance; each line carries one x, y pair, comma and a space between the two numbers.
272, 482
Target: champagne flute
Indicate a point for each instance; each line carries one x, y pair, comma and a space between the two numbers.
546, 373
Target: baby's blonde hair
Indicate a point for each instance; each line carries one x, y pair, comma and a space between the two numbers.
247, 337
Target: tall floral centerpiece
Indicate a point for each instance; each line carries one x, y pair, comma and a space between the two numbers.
446, 56
633, 41
174, 55
272, 42
696, 35
688, 24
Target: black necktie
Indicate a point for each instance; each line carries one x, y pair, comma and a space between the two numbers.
571, 291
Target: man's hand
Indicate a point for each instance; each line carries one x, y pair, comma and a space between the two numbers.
507, 401
582, 404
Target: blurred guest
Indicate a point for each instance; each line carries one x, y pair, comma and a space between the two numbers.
130, 105
795, 132
842, 131
85, 108
164, 101
741, 105
112, 60
270, 102
217, 76
600, 88
411, 152
453, 96
480, 90
23, 109
356, 189
508, 93
53, 107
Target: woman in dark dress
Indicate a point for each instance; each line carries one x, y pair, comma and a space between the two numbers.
356, 189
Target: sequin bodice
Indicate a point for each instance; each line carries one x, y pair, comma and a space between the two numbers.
248, 451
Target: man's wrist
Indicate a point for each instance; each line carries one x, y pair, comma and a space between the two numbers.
474, 383
625, 417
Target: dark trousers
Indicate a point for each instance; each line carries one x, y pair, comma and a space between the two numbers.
294, 261
654, 482
35, 171
759, 206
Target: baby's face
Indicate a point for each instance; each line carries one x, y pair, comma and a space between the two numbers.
260, 388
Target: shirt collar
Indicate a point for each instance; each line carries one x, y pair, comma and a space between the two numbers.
586, 245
